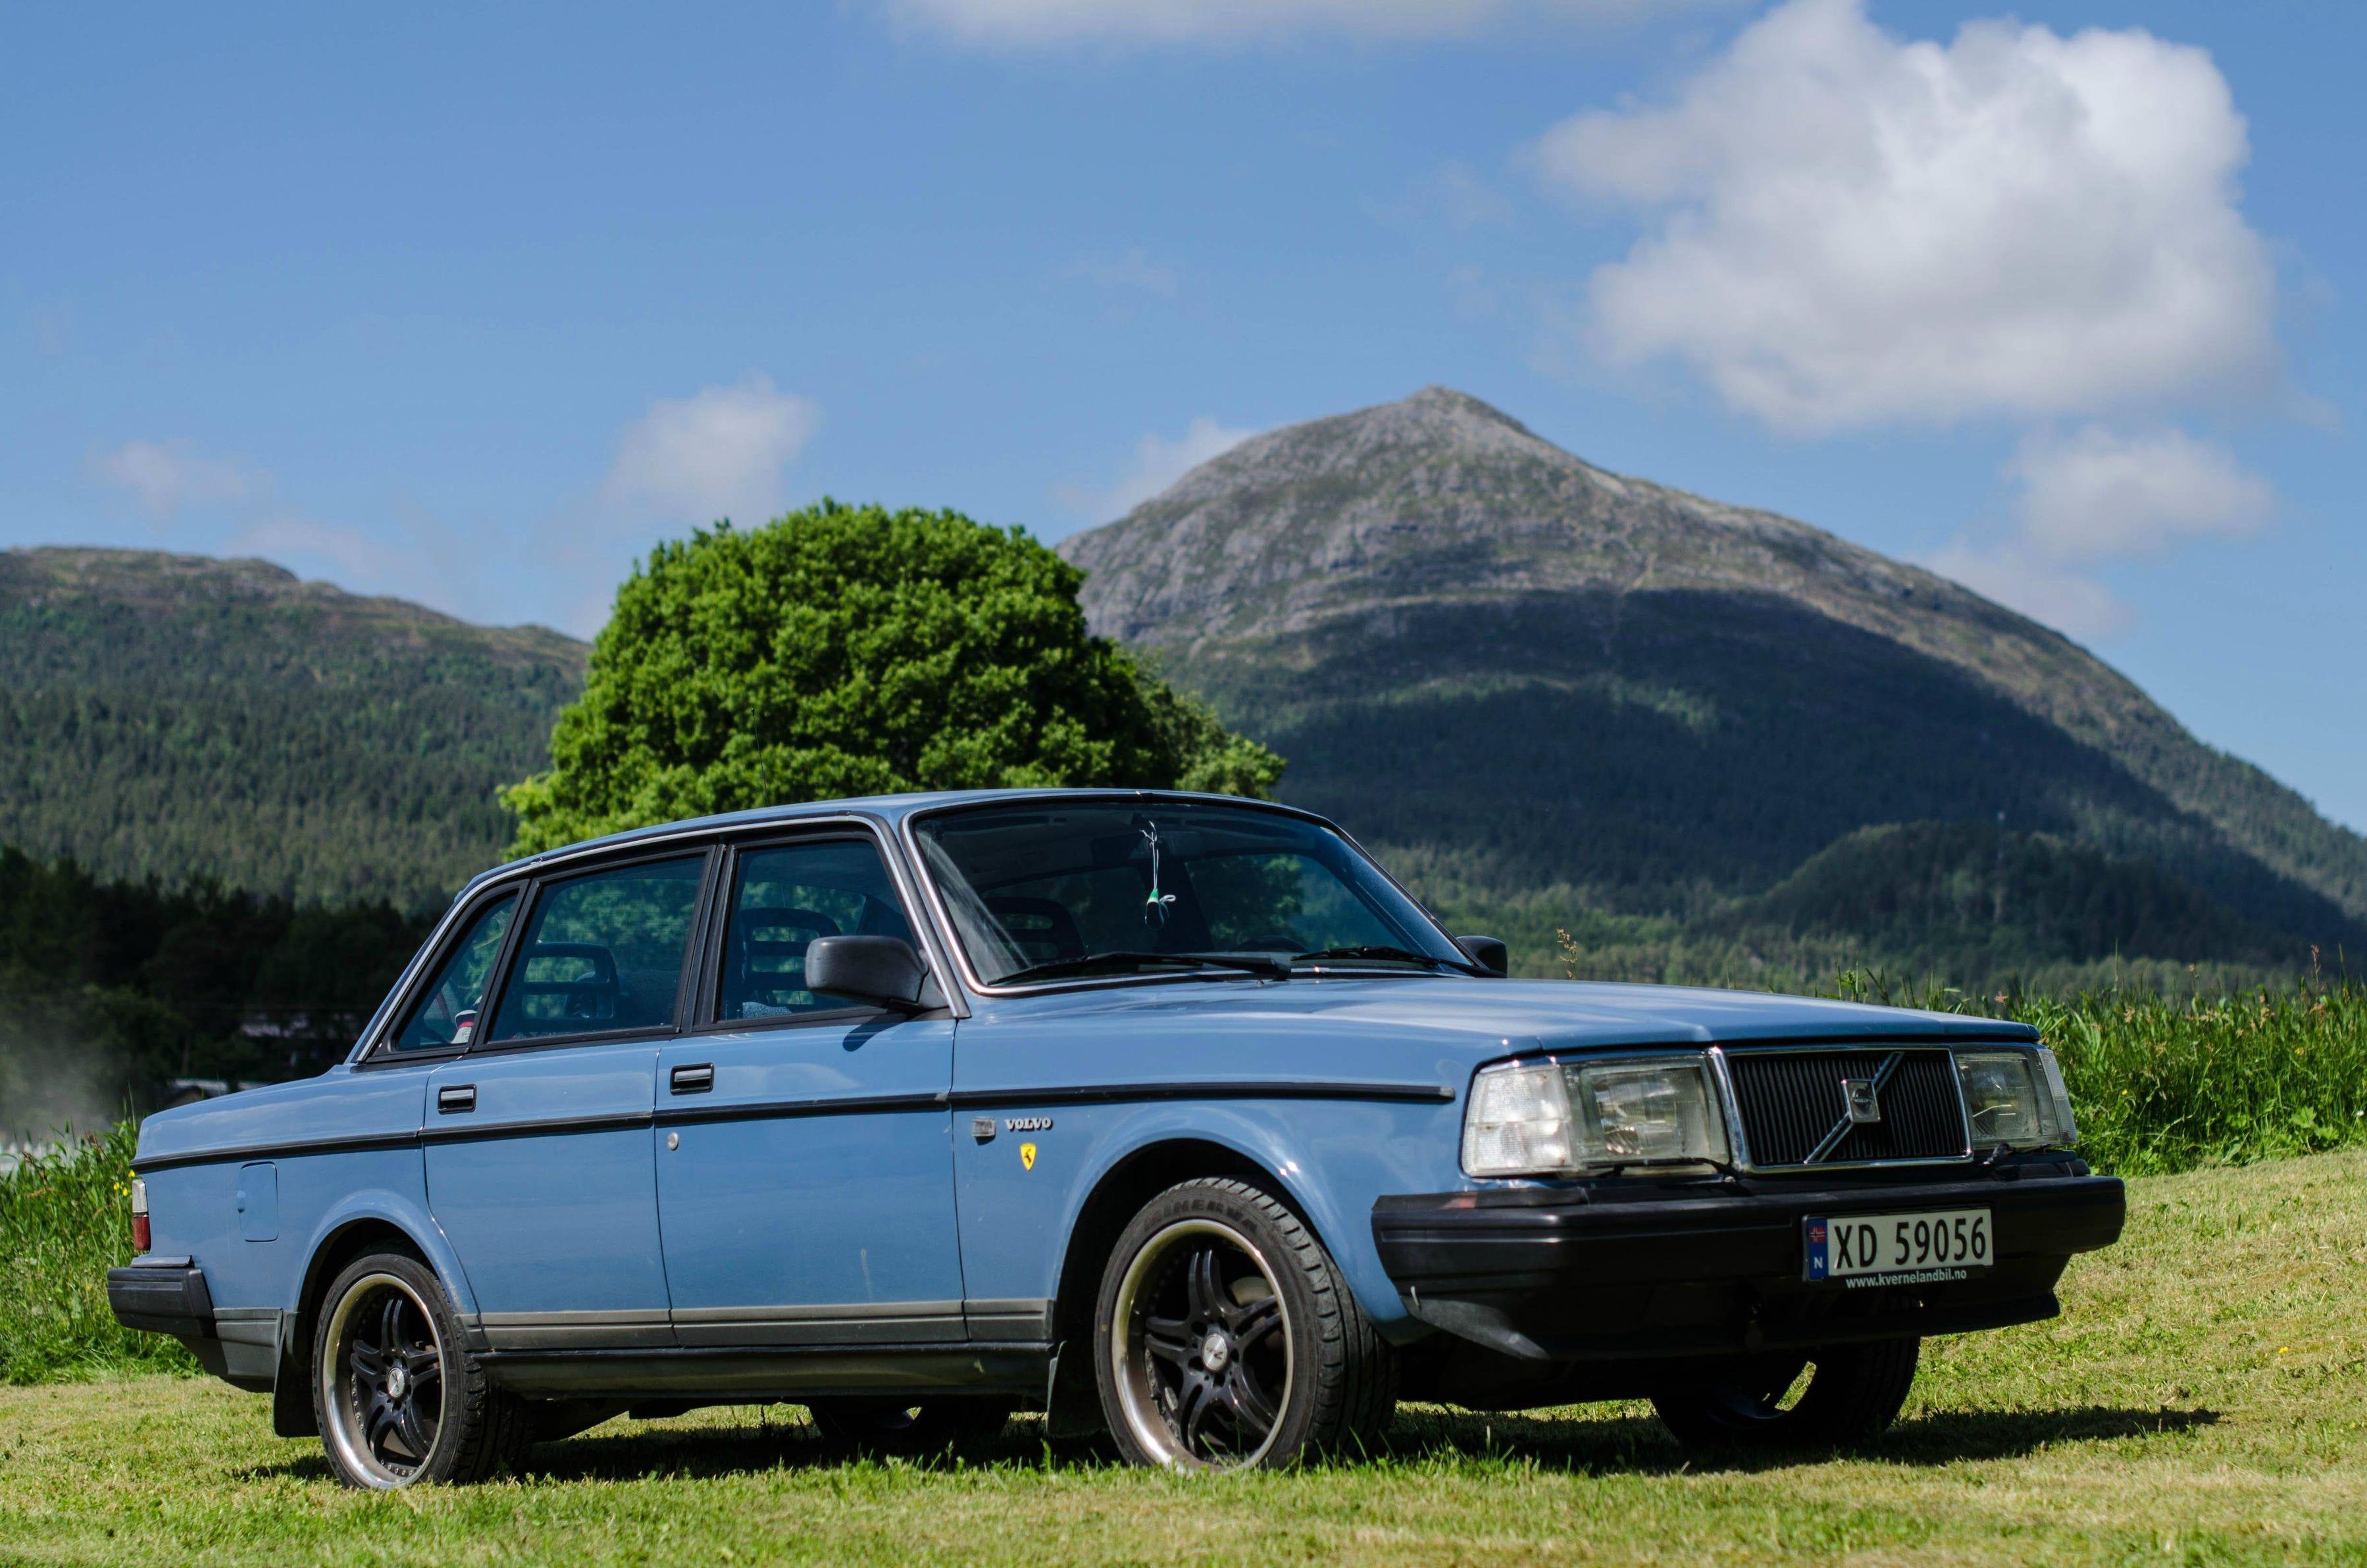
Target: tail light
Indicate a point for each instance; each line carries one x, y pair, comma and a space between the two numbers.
139, 1237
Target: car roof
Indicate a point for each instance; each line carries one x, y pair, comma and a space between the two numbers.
887, 809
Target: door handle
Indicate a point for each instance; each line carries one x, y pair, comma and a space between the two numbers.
697, 1078
455, 1098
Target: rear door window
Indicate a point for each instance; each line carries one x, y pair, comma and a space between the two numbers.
783, 899
447, 1014
603, 953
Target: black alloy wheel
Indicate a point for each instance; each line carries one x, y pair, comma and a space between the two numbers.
399, 1398
1209, 1322
1850, 1394
1224, 1338
395, 1375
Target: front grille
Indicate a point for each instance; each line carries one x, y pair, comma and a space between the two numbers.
1792, 1102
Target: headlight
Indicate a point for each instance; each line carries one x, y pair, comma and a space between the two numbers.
2015, 1098
1552, 1120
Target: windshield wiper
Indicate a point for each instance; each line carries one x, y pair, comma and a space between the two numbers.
1265, 966
1383, 952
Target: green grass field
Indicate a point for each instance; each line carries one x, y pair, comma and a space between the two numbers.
2203, 1399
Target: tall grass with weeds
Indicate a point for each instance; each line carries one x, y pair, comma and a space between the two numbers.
64, 1220
2169, 1083
2169, 1068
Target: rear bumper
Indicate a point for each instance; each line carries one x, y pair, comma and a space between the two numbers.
162, 1295
1610, 1273
169, 1295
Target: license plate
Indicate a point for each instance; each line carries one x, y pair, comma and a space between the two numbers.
1898, 1249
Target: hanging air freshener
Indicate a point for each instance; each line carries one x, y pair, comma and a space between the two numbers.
1155, 908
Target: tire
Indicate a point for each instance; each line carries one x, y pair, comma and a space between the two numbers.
1854, 1395
400, 1399
890, 1426
1224, 1337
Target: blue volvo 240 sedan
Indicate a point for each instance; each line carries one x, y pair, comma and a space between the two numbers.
1169, 1115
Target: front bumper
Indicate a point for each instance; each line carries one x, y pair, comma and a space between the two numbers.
1613, 1271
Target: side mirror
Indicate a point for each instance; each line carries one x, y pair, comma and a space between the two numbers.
1489, 953
879, 969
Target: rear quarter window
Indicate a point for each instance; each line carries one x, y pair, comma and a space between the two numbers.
447, 1013
603, 953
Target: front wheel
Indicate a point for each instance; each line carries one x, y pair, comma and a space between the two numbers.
399, 1398
1225, 1338
1851, 1394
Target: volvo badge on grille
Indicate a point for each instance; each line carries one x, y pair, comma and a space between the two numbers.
1859, 1096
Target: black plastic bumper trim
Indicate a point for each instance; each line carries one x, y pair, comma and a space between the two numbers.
162, 1297
1475, 1263
776, 1371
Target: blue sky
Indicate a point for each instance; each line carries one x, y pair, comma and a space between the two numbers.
473, 305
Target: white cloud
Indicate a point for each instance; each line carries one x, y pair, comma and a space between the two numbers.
2097, 495
1130, 271
1846, 228
719, 453
1157, 463
167, 475
1039, 23
2074, 604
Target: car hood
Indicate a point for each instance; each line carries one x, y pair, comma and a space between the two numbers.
1492, 1017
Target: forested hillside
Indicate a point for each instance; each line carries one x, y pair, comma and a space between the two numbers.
1548, 688
175, 717
1706, 742
109, 989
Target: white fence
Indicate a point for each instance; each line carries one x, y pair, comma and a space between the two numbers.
15, 1152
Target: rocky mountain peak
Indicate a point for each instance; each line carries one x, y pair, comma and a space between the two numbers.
1393, 552
1438, 495
1437, 426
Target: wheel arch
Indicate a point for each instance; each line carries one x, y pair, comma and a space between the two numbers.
360, 1227
1116, 1195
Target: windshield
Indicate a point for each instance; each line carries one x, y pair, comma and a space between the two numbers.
1101, 886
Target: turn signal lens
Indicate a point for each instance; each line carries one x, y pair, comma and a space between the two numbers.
139, 1237
2066, 1129
1518, 1123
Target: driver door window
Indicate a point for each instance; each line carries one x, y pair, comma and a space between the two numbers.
783, 899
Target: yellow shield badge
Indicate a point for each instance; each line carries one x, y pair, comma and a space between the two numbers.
1026, 1156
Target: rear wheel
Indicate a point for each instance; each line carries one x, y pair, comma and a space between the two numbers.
1830, 1398
920, 1426
1225, 1337
399, 1398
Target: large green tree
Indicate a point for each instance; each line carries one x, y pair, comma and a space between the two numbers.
852, 650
